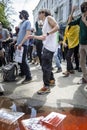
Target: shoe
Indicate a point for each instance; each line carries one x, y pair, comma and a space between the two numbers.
43, 91
25, 81
76, 68
66, 74
82, 81
72, 72
59, 70
52, 83
1, 93
79, 70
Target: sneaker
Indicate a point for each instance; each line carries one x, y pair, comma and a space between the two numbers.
25, 81
82, 81
79, 70
1, 93
66, 74
72, 72
52, 83
76, 68
43, 90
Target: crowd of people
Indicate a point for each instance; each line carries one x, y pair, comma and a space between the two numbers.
44, 43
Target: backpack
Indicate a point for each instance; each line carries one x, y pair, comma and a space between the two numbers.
9, 72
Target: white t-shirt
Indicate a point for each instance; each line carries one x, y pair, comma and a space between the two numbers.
50, 43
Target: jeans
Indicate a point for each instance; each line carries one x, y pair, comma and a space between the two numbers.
47, 57
57, 60
39, 46
24, 65
30, 50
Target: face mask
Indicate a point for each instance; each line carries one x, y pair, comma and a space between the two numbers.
20, 16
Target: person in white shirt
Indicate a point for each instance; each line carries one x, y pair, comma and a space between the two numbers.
50, 27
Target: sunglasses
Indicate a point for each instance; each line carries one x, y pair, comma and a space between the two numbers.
41, 12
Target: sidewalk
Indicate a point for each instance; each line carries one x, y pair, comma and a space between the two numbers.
66, 93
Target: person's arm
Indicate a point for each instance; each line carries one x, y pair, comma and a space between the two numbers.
75, 22
42, 37
65, 34
70, 18
54, 29
28, 32
84, 19
53, 24
65, 37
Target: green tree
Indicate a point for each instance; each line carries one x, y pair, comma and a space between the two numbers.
6, 11
3, 17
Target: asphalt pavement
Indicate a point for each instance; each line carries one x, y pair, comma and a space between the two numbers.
66, 92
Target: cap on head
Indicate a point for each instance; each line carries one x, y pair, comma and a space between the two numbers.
24, 13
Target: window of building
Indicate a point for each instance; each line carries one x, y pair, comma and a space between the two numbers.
47, 3
77, 3
70, 6
44, 4
61, 12
52, 2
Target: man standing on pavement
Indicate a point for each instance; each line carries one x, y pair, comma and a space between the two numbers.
82, 22
50, 27
24, 31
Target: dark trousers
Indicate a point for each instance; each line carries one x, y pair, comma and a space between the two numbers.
47, 57
25, 70
76, 56
39, 46
68, 59
30, 49
2, 61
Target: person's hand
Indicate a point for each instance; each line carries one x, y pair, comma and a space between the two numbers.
44, 37
30, 37
19, 46
15, 46
74, 8
4, 41
65, 45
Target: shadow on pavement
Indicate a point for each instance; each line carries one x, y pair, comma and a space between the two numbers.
68, 81
78, 100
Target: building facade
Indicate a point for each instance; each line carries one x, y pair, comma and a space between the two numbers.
60, 9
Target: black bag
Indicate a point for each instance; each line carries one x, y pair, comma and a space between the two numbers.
9, 72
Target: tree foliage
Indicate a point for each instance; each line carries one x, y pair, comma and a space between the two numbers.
6, 11
3, 17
